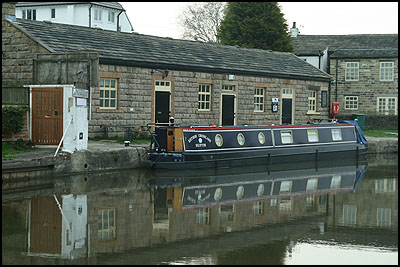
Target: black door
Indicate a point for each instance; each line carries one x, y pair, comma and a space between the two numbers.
228, 109
162, 107
286, 111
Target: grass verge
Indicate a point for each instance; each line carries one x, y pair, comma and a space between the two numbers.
381, 133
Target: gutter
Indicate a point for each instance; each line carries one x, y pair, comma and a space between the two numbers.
118, 19
336, 82
90, 15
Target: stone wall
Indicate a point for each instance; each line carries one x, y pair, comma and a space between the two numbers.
135, 99
367, 88
372, 121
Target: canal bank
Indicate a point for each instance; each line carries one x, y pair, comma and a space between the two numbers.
106, 156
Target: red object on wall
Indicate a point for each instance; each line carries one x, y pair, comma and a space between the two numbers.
335, 108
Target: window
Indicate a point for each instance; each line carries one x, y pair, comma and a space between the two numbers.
53, 13
383, 217
349, 215
29, 14
312, 101
259, 99
111, 16
219, 140
258, 207
387, 105
385, 186
97, 15
335, 182
226, 87
240, 139
286, 187
240, 192
286, 137
203, 216
312, 185
351, 71
261, 138
336, 134
386, 73
106, 224
108, 93
312, 135
285, 205
204, 97
324, 99
351, 102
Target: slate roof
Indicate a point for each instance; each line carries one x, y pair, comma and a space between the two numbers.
348, 46
157, 52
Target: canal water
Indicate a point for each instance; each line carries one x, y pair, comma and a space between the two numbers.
325, 213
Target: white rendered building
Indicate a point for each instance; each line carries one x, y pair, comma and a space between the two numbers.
104, 15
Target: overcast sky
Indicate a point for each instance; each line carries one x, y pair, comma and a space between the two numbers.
161, 18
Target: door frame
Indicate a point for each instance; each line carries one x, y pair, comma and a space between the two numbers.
234, 107
287, 96
161, 89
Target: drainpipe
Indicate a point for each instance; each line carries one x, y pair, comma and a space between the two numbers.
118, 20
90, 16
336, 80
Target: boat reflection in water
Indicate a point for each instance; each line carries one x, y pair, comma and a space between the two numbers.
127, 217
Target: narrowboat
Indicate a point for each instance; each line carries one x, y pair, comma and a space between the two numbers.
210, 146
248, 185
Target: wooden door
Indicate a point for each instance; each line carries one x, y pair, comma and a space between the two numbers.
47, 116
45, 229
228, 110
162, 107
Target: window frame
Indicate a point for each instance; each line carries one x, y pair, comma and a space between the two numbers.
308, 136
113, 17
352, 70
52, 12
291, 137
108, 229
386, 111
388, 69
97, 14
334, 139
202, 104
351, 104
312, 101
259, 99
104, 98
203, 216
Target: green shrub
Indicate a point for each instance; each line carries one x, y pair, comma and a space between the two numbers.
13, 118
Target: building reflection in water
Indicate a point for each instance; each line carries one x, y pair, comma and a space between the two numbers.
85, 216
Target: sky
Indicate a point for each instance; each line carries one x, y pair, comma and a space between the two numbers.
312, 18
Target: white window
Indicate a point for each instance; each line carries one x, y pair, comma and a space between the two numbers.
204, 97
335, 182
385, 186
203, 216
351, 102
349, 215
259, 99
53, 13
97, 15
258, 208
286, 187
108, 93
336, 134
386, 73
106, 224
286, 137
312, 185
351, 71
111, 16
387, 105
312, 135
29, 14
383, 217
226, 87
285, 205
312, 101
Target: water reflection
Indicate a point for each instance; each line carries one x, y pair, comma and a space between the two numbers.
229, 217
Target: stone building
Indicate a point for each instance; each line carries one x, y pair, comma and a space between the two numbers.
364, 69
144, 79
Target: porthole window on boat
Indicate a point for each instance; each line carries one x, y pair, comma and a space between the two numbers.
286, 137
312, 135
240, 192
261, 138
219, 140
336, 134
218, 194
240, 139
260, 190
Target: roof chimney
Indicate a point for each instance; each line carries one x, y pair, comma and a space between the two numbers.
294, 31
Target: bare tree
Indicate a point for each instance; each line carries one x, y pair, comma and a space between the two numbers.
201, 21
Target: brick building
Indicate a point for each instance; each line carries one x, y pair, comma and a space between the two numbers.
145, 78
